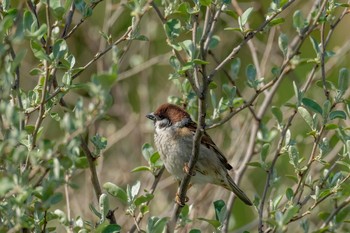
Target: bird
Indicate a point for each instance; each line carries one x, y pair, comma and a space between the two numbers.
173, 137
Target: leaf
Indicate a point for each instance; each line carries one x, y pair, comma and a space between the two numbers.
195, 231
315, 45
220, 210
289, 214
264, 151
104, 206
116, 191
283, 43
214, 41
298, 93
289, 194
298, 20
215, 223
312, 105
141, 168
343, 80
38, 50
293, 156
205, 2
235, 67
306, 116
154, 158
143, 199
244, 17
200, 62
189, 47
112, 228
251, 76
277, 113
337, 114
276, 21
135, 189
156, 224
147, 151
172, 28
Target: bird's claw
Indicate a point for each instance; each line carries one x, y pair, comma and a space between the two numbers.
178, 200
187, 170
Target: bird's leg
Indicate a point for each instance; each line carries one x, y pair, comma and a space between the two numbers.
178, 199
187, 170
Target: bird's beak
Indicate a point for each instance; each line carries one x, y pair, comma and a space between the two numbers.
151, 116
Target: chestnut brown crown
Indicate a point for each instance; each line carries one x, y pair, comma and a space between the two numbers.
172, 112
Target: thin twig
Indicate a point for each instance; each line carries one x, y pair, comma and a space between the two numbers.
153, 188
82, 20
46, 78
177, 53
94, 177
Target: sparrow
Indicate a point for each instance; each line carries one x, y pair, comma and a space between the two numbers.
173, 137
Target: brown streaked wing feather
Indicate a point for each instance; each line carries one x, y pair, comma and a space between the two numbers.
206, 140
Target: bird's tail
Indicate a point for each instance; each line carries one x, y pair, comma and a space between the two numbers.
239, 193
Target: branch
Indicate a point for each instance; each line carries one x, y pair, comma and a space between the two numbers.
153, 188
177, 54
82, 20
46, 79
94, 178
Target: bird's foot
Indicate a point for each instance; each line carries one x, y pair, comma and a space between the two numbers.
187, 170
178, 200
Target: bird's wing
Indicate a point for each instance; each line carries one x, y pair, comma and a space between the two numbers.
208, 142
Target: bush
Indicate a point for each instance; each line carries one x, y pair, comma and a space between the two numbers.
268, 80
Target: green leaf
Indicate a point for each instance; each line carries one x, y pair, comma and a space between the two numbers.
255, 164
147, 151
116, 191
343, 80
283, 43
59, 49
143, 199
205, 2
189, 47
289, 214
104, 206
298, 20
306, 116
99, 142
337, 114
315, 107
245, 16
251, 76
293, 156
195, 231
156, 224
200, 62
154, 157
235, 67
135, 190
112, 228
276, 21
289, 194
277, 113
331, 126
264, 151
141, 168
38, 50
172, 28
215, 223
315, 45
220, 210
298, 93
214, 41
